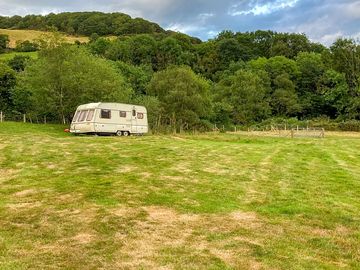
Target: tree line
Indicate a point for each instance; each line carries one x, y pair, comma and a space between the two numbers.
83, 23
234, 79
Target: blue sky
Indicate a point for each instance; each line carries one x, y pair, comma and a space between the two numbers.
321, 20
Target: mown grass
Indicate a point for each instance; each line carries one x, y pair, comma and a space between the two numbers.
11, 55
179, 202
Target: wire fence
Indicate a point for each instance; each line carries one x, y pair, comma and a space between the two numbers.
289, 132
25, 118
298, 133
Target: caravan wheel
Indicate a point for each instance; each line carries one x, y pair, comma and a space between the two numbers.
126, 133
118, 133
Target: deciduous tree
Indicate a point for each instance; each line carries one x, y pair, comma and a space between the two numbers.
184, 96
66, 76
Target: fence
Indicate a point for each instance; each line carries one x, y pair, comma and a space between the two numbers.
22, 118
18, 117
284, 131
299, 133
308, 132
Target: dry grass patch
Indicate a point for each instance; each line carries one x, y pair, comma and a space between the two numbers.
165, 228
23, 205
83, 238
32, 35
25, 193
7, 174
126, 169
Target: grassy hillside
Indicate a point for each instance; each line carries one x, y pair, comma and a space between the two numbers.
8, 56
31, 35
190, 202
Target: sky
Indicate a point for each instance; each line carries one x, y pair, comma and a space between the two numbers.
321, 20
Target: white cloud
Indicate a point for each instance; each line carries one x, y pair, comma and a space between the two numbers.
255, 8
212, 34
324, 22
352, 10
196, 25
184, 28
327, 39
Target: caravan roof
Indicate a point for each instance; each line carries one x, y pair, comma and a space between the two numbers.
112, 106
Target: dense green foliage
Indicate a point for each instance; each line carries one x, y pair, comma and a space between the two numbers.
18, 62
7, 83
184, 97
246, 94
26, 46
234, 79
4, 42
83, 23
65, 76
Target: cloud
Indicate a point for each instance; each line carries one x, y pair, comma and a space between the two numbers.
198, 25
262, 8
322, 20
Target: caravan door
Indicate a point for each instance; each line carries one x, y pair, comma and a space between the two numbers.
134, 127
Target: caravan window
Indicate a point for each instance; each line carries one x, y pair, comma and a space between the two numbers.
122, 114
105, 114
90, 115
140, 116
76, 116
134, 113
82, 116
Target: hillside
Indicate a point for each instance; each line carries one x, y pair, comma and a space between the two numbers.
31, 35
234, 79
83, 23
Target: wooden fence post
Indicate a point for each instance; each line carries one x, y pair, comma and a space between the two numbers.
24, 118
1, 117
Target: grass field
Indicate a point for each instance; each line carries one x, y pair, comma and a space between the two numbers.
177, 202
31, 35
9, 56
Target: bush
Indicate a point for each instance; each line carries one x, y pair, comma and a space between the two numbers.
351, 125
18, 62
4, 42
204, 126
26, 46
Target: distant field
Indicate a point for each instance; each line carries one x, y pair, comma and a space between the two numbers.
31, 35
227, 201
8, 56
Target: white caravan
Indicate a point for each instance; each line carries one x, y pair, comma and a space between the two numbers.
110, 118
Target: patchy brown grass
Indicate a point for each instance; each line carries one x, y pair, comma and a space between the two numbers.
223, 201
33, 35
164, 228
7, 174
25, 193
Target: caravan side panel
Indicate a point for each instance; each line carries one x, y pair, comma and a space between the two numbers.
109, 121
